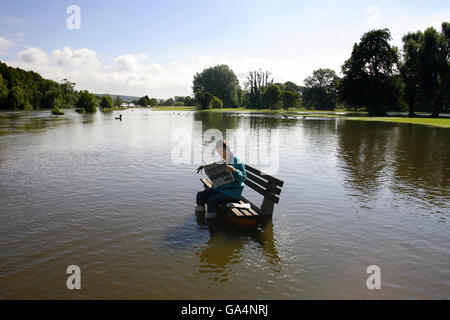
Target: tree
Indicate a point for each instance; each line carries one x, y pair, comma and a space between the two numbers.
425, 70
434, 69
410, 68
216, 103
321, 90
144, 101
106, 102
204, 99
271, 96
256, 83
368, 74
289, 98
117, 101
16, 98
3, 91
68, 94
189, 101
87, 102
53, 98
220, 81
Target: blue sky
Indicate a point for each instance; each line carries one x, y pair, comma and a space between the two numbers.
155, 47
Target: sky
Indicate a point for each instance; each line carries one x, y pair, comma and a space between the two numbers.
154, 47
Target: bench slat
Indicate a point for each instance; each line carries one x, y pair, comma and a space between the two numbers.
272, 188
271, 179
261, 191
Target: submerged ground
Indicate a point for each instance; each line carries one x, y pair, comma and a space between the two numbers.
105, 195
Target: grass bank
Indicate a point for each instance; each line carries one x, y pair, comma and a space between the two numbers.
440, 122
341, 113
113, 109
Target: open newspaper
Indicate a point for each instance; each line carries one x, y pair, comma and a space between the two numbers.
218, 173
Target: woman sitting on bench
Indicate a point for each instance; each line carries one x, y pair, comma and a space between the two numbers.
230, 192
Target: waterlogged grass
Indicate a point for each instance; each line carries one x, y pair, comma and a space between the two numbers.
441, 122
112, 109
340, 113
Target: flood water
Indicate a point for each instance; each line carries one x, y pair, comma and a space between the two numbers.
105, 195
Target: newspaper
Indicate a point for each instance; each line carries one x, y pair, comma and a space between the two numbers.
218, 173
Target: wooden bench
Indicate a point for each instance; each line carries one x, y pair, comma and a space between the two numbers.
269, 187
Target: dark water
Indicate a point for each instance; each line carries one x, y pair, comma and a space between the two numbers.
105, 195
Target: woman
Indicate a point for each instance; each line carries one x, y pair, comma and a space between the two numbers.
230, 192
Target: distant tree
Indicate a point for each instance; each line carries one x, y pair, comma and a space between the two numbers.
434, 69
291, 86
144, 101
256, 83
178, 104
321, 90
117, 101
87, 102
220, 81
153, 102
68, 93
106, 102
369, 74
3, 92
53, 98
216, 103
410, 68
204, 99
290, 99
189, 101
16, 98
272, 96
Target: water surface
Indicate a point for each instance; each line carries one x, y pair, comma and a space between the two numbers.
105, 195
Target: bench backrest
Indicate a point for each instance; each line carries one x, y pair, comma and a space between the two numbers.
269, 187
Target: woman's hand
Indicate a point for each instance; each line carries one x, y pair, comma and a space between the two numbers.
199, 169
232, 169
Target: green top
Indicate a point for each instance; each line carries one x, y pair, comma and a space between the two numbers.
234, 188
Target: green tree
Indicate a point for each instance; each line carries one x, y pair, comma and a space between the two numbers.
216, 103
16, 98
144, 101
3, 92
369, 74
204, 99
290, 99
52, 98
87, 102
220, 81
272, 96
256, 83
106, 102
117, 101
321, 90
68, 94
410, 68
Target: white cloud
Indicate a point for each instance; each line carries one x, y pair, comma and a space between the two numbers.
5, 44
32, 57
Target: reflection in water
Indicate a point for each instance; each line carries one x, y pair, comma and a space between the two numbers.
413, 161
226, 246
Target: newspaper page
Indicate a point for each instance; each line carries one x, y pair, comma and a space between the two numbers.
218, 173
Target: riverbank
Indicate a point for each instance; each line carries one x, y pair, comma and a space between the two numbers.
342, 114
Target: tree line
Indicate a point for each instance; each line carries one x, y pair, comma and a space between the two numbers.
377, 77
